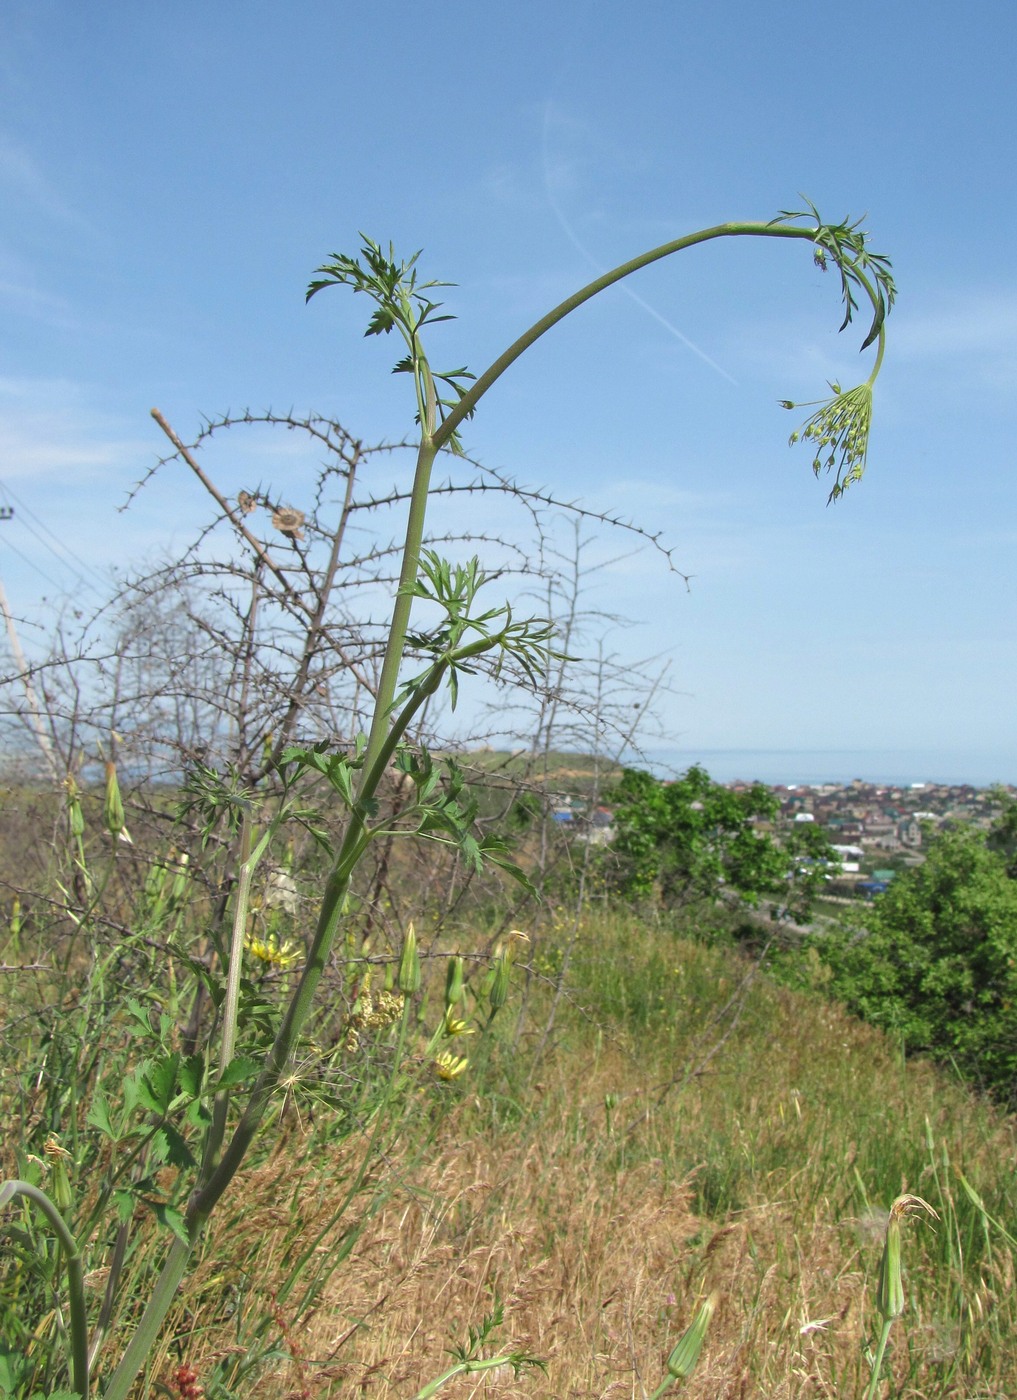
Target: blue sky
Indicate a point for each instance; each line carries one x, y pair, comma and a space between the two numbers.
170, 177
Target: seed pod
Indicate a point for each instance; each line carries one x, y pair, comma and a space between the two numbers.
409, 965
454, 985
682, 1361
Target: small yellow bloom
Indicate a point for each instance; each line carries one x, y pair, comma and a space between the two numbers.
271, 952
449, 1067
455, 1025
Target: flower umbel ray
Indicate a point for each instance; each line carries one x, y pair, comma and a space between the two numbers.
839, 433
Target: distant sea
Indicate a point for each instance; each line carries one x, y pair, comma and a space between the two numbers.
890, 767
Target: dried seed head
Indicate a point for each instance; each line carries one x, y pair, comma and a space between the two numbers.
289, 522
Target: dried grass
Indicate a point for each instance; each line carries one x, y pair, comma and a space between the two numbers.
600, 1244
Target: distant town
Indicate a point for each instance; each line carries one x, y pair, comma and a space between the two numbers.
879, 829
875, 829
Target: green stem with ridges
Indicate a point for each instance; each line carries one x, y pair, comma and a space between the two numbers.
75, 1276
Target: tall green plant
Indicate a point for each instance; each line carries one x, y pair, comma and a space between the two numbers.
226, 1105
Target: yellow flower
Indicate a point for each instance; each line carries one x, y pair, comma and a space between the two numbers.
454, 1025
449, 1067
270, 952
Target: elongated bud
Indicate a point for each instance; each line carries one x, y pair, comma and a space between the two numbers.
454, 985
180, 878
57, 1158
682, 1361
890, 1291
500, 986
409, 965
15, 916
75, 816
113, 807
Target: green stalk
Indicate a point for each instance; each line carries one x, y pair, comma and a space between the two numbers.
146, 1334
479, 388
877, 1361
382, 740
75, 1276
462, 1368
435, 436
396, 643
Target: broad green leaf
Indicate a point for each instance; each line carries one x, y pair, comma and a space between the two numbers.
171, 1219
98, 1115
170, 1146
192, 1075
237, 1071
156, 1086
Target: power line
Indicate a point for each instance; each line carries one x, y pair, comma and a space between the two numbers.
25, 510
30, 562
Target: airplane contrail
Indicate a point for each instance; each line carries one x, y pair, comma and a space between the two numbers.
584, 252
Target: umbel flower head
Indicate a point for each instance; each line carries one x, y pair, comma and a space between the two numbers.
839, 433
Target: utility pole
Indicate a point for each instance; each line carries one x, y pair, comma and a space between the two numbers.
34, 716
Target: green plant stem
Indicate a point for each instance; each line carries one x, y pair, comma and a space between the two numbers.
382, 740
75, 1276
147, 1331
462, 1368
877, 1361
215, 1179
396, 642
468, 403
435, 436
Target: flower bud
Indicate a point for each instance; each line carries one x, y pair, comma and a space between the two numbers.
75, 816
500, 986
682, 1361
890, 1289
409, 965
454, 985
57, 1158
113, 807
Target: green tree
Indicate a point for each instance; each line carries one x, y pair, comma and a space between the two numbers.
1003, 832
696, 840
936, 962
